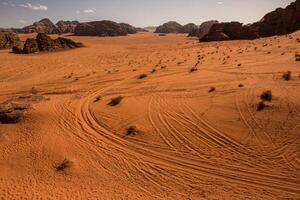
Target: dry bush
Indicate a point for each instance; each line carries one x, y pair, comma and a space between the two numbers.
287, 76
212, 89
63, 165
266, 96
115, 101
260, 106
193, 69
132, 130
142, 76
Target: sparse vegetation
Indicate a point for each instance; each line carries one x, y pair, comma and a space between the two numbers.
193, 69
297, 57
142, 76
63, 165
34, 91
266, 96
261, 105
115, 101
287, 76
162, 34
132, 130
153, 70
212, 89
241, 85
98, 98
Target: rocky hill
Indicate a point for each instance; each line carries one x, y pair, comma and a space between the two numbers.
104, 28
67, 26
203, 29
43, 26
170, 27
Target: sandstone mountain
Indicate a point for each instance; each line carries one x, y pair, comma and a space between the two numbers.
43, 26
203, 29
8, 40
104, 28
189, 28
67, 26
279, 22
170, 27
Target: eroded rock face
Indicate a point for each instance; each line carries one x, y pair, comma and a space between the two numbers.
43, 26
280, 22
229, 31
67, 26
128, 28
170, 27
100, 28
8, 40
189, 28
44, 43
203, 29
12, 112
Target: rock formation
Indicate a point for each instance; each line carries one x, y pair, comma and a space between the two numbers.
189, 28
100, 28
279, 22
229, 31
203, 29
12, 112
128, 28
43, 26
8, 40
43, 43
170, 27
67, 26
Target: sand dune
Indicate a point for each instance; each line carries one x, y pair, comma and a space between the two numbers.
189, 143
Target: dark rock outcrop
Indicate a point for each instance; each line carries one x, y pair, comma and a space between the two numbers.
67, 26
100, 28
43, 26
12, 112
189, 28
128, 28
203, 29
8, 40
170, 27
229, 31
43, 43
279, 22
138, 29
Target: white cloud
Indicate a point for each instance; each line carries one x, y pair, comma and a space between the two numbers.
87, 11
21, 21
220, 2
34, 7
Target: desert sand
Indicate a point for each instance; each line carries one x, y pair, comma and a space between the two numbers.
190, 143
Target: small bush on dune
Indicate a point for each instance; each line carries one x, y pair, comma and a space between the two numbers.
153, 71
241, 85
142, 76
212, 89
260, 106
162, 34
115, 101
266, 96
98, 98
132, 130
193, 69
297, 57
63, 165
287, 76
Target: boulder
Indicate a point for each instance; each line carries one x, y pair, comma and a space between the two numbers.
170, 27
100, 28
12, 112
8, 40
43, 26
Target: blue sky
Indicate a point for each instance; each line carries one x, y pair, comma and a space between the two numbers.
18, 13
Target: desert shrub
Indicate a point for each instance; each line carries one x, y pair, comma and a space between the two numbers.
212, 89
266, 96
98, 98
239, 65
142, 76
241, 85
193, 69
63, 165
153, 71
115, 101
131, 130
260, 106
287, 76
34, 91
162, 34
297, 57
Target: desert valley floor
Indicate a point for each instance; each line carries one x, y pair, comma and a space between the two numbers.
190, 144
